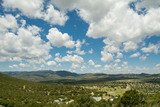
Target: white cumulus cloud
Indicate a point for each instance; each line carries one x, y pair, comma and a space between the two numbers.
115, 19
35, 9
8, 22
106, 57
130, 46
70, 58
24, 45
137, 54
151, 49
56, 38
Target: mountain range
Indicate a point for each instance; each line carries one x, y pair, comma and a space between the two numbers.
49, 76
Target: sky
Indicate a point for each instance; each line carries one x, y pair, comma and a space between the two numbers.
82, 36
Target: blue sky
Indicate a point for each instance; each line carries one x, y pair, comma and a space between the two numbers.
83, 37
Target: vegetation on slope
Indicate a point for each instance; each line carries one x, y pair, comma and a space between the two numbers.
118, 93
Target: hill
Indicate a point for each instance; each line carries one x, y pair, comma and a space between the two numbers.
20, 93
50, 76
42, 75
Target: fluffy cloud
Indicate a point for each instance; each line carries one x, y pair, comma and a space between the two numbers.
56, 38
119, 55
8, 22
129, 46
90, 51
29, 7
24, 45
51, 63
123, 24
106, 57
75, 60
151, 49
91, 62
20, 65
78, 45
54, 16
137, 54
119, 21
111, 49
70, 58
35, 9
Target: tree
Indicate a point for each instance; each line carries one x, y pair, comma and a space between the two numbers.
132, 98
84, 101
